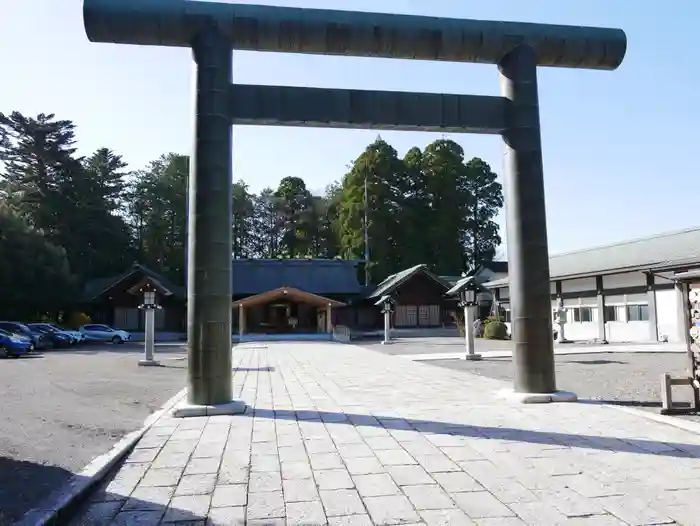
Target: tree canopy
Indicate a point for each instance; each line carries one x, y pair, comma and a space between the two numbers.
66, 219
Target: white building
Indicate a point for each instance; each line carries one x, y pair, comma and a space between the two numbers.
620, 293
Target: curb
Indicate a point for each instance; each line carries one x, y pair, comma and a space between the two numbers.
48, 512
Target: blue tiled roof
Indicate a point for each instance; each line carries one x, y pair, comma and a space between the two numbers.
318, 276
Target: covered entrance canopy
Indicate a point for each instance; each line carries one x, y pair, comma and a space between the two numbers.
286, 309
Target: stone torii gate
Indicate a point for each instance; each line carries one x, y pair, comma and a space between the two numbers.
213, 30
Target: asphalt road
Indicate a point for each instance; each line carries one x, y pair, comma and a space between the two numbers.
630, 379
62, 409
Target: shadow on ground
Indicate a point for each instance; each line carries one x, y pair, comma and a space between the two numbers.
23, 485
621, 445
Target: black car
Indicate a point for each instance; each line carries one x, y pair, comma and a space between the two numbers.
40, 341
58, 339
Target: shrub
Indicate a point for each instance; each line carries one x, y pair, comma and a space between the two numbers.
76, 319
495, 330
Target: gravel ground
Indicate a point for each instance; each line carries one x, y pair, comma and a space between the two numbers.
63, 409
631, 379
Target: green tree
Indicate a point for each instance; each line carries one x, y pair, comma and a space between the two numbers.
158, 214
481, 236
35, 154
35, 278
267, 224
445, 184
382, 168
242, 224
296, 214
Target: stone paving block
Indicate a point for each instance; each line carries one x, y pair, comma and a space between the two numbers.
296, 470
233, 474
461, 453
230, 495
447, 517
300, 490
142, 518
429, 497
364, 466
395, 509
333, 479
319, 446
395, 457
321, 461
375, 485
203, 466
209, 449
293, 454
355, 451
265, 463
570, 503
306, 513
607, 520
149, 498
536, 513
481, 505
350, 520
149, 441
171, 460
587, 486
421, 446
633, 510
100, 513
457, 481
186, 434
378, 443
501, 521
142, 455
264, 448
342, 502
233, 516
265, 482
196, 484
187, 508
436, 463
509, 491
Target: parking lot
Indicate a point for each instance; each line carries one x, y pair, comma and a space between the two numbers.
63, 408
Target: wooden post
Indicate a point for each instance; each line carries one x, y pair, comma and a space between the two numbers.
329, 319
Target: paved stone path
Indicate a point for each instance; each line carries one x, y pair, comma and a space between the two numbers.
342, 435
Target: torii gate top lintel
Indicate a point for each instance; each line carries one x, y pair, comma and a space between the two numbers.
331, 32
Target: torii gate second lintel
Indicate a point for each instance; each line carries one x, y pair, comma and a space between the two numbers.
213, 30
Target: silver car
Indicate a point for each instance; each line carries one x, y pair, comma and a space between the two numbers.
104, 333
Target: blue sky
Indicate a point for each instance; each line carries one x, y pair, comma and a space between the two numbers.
618, 146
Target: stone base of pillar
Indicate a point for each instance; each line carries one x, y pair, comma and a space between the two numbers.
472, 357
387, 342
538, 398
185, 409
149, 363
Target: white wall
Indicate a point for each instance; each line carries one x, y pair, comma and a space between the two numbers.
667, 314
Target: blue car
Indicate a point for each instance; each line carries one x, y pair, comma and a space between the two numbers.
13, 345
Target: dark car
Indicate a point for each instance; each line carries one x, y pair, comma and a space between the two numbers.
58, 338
40, 341
13, 345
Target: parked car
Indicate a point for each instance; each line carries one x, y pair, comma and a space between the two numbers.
40, 340
73, 336
58, 338
104, 333
13, 345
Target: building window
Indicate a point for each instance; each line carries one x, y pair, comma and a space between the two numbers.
637, 312
612, 313
581, 314
506, 316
